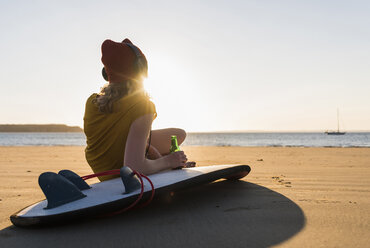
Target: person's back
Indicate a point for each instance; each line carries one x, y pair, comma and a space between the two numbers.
107, 132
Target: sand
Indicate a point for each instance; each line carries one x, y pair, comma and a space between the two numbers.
293, 197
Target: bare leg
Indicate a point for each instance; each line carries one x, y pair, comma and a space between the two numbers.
161, 138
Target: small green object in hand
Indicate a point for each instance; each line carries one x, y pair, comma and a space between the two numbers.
174, 146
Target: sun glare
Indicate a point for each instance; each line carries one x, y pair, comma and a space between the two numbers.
169, 86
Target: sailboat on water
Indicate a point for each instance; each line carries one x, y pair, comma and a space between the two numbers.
336, 132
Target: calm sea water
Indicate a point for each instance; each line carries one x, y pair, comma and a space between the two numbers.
204, 139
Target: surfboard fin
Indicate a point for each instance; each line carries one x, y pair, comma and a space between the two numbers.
58, 189
129, 179
75, 179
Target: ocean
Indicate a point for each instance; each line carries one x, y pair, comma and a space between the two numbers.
205, 139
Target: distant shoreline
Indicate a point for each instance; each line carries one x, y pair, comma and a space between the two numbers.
39, 128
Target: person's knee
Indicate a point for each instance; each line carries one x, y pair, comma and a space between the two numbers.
181, 135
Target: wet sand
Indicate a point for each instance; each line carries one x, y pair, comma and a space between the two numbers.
293, 197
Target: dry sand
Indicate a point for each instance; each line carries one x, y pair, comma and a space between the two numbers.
293, 197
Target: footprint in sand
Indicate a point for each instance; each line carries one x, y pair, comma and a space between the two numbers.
281, 181
319, 201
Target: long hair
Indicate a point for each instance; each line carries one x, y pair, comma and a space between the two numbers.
112, 92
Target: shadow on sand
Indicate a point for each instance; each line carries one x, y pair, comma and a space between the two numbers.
221, 214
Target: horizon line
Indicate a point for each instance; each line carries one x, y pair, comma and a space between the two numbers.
276, 131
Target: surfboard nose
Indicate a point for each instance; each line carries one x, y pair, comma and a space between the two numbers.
58, 190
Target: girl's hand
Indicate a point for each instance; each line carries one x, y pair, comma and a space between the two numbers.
177, 159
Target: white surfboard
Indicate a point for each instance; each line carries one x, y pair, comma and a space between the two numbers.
108, 196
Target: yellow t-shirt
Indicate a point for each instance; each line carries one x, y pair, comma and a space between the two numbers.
106, 133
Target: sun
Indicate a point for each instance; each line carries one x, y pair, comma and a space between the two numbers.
169, 88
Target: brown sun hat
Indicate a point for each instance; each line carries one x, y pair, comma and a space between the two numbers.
121, 61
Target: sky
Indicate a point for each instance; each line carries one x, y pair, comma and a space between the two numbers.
213, 65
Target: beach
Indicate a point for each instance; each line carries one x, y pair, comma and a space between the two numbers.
293, 197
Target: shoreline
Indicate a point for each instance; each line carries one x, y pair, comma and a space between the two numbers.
293, 197
204, 139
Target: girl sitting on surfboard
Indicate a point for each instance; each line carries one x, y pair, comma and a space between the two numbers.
117, 121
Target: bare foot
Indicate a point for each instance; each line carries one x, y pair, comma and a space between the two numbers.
187, 165
190, 164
